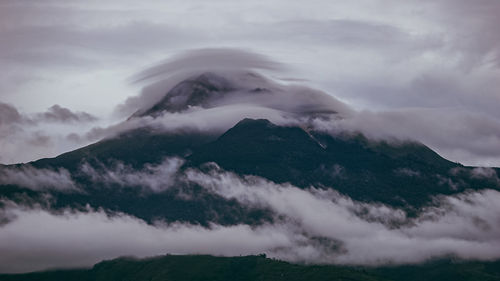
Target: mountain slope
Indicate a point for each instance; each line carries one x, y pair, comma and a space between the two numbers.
403, 175
399, 174
136, 147
396, 174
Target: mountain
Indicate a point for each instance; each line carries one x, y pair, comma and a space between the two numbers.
405, 174
401, 174
146, 172
362, 169
199, 91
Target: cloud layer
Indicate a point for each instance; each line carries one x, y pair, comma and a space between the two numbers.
465, 226
30, 136
152, 178
37, 179
310, 225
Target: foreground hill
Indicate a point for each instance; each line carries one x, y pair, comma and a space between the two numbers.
186, 268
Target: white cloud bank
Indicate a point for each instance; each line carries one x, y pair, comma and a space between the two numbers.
37, 239
27, 176
466, 225
311, 225
152, 178
25, 137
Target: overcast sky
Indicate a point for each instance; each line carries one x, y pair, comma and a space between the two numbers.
424, 69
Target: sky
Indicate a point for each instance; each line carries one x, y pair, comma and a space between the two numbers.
424, 70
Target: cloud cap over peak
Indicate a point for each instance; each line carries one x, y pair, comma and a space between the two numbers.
209, 59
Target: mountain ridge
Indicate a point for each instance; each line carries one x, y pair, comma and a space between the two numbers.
402, 175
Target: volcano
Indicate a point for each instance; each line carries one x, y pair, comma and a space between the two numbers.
192, 157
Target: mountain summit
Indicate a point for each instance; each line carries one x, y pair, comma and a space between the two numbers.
197, 91
210, 90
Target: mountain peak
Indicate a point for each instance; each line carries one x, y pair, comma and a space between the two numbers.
250, 122
199, 90
244, 89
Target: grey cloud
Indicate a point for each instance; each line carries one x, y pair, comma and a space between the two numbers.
37, 179
212, 120
478, 173
9, 114
484, 172
432, 88
56, 113
74, 45
26, 143
469, 20
467, 137
26, 137
449, 228
77, 239
209, 60
165, 75
222, 117
363, 35
407, 172
460, 24
246, 94
152, 178
39, 138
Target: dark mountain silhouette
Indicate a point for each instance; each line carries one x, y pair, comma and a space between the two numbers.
402, 174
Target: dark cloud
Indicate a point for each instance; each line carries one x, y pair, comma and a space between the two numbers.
9, 114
